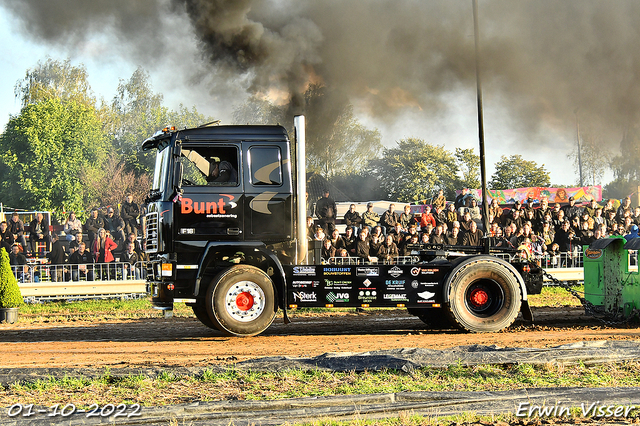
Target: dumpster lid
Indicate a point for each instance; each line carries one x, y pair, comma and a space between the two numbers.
603, 243
633, 244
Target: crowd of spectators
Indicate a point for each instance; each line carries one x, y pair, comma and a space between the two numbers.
532, 228
110, 235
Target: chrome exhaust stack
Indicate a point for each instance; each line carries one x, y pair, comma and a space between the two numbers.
301, 188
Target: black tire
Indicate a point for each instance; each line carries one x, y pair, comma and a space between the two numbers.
241, 301
484, 296
200, 312
434, 317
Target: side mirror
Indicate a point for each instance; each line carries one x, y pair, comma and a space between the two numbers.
177, 149
177, 174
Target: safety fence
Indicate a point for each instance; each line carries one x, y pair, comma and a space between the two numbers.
113, 279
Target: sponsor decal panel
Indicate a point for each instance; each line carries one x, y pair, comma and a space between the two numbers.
305, 284
395, 272
337, 271
338, 285
396, 297
366, 271
394, 284
303, 296
367, 296
337, 297
304, 270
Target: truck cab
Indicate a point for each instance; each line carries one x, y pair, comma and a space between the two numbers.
221, 195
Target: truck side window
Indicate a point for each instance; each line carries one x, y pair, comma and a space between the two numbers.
210, 166
266, 165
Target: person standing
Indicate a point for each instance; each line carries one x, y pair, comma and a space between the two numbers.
326, 211
16, 227
57, 257
389, 219
6, 237
129, 212
39, 233
92, 225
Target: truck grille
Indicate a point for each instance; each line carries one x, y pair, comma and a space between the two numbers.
151, 234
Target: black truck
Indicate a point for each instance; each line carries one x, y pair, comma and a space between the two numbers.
225, 232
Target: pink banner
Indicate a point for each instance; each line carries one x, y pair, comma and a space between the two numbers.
555, 195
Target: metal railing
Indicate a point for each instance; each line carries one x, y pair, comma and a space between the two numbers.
398, 260
46, 281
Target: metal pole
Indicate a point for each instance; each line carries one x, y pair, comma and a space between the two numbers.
483, 172
579, 148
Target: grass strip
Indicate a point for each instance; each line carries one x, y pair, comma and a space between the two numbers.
167, 389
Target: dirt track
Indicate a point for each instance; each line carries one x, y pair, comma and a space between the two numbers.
185, 342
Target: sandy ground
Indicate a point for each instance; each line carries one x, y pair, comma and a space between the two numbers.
186, 342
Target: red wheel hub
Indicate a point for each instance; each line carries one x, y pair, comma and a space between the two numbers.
479, 297
244, 301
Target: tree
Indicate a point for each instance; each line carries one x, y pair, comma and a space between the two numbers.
516, 172
138, 114
55, 79
414, 170
48, 153
594, 156
469, 165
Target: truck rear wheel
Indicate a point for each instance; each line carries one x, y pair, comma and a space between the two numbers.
241, 301
200, 312
434, 317
484, 297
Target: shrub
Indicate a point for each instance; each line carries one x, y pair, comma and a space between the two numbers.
10, 296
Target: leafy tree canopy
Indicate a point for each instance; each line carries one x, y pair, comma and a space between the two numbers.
516, 172
413, 170
48, 153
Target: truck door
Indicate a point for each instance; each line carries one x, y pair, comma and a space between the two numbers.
268, 196
211, 206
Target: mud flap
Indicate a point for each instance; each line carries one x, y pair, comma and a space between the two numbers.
285, 316
526, 311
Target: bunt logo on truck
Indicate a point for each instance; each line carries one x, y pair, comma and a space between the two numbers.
187, 205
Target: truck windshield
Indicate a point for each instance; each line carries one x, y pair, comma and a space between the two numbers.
161, 169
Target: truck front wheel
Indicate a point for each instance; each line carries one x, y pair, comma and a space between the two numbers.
240, 301
484, 296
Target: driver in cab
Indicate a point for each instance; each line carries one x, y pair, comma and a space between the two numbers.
221, 172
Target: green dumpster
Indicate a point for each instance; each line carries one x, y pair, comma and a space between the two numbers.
608, 281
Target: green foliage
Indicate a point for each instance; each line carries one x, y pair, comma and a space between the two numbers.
10, 296
414, 170
516, 172
48, 153
137, 113
53, 79
469, 165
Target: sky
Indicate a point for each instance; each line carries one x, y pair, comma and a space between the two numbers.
407, 66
